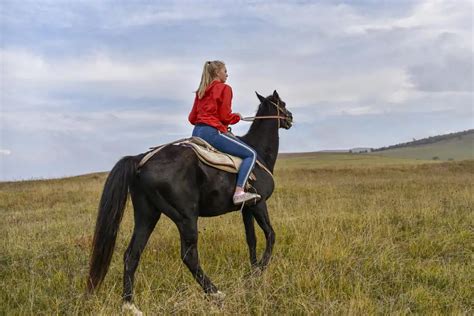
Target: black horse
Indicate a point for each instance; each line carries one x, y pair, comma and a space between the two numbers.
176, 183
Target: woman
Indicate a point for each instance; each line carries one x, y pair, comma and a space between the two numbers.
212, 114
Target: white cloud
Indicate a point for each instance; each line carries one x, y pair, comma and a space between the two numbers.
378, 86
349, 18
153, 14
438, 15
110, 16
97, 67
42, 12
327, 18
90, 122
5, 152
24, 70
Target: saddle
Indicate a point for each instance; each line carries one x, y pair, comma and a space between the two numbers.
207, 154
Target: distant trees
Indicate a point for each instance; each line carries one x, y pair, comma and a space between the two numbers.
360, 150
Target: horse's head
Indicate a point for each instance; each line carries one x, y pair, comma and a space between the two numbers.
274, 106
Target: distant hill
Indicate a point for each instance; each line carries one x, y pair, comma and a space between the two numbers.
453, 146
312, 154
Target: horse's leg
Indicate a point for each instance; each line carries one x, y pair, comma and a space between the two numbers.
261, 215
146, 218
250, 235
189, 253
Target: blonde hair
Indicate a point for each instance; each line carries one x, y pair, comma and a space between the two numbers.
209, 73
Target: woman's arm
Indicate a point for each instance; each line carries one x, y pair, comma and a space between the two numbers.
225, 112
193, 115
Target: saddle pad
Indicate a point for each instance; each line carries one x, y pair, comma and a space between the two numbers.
206, 153
211, 156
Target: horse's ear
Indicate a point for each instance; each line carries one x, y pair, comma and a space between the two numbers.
261, 98
275, 95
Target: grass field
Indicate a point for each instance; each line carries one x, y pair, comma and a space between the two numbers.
355, 234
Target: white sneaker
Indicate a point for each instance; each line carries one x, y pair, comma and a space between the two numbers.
244, 197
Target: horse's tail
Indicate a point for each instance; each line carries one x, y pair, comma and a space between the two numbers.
111, 208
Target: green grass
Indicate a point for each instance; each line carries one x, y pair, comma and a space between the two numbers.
356, 234
342, 161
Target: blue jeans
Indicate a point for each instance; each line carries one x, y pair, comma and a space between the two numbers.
230, 145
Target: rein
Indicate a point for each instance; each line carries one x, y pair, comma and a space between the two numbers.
253, 118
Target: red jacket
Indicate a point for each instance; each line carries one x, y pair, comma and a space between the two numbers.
214, 109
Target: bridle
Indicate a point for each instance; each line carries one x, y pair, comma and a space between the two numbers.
278, 116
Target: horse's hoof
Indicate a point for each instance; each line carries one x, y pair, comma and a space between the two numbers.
218, 295
257, 270
263, 266
130, 307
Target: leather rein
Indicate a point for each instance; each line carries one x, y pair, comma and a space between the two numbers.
278, 116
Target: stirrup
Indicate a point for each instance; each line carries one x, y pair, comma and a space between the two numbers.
247, 196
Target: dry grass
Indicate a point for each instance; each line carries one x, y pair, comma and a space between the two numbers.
355, 234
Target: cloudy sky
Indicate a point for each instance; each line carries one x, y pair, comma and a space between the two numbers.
86, 82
